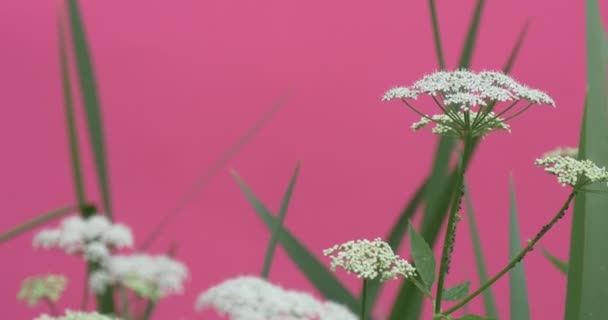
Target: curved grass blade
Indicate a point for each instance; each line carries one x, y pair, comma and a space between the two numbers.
88, 90
323, 280
559, 264
35, 222
276, 231
586, 294
517, 277
212, 171
469, 45
436, 34
489, 302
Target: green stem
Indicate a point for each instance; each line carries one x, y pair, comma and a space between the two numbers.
448, 243
364, 300
149, 310
517, 258
52, 307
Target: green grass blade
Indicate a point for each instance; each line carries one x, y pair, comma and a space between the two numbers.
88, 90
489, 302
408, 302
559, 264
436, 34
35, 222
469, 45
276, 231
69, 117
323, 280
215, 168
520, 309
516, 48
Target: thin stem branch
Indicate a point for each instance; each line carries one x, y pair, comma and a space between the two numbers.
149, 310
364, 300
519, 112
517, 258
52, 307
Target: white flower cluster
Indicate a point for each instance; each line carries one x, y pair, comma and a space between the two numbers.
448, 125
150, 276
34, 289
467, 89
76, 315
369, 260
563, 152
573, 172
253, 298
91, 237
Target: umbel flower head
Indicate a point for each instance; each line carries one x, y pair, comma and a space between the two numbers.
253, 298
369, 260
34, 289
468, 101
151, 277
563, 152
573, 172
77, 315
92, 237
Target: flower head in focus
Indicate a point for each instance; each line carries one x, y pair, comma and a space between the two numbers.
369, 260
468, 101
253, 298
92, 237
77, 315
152, 277
573, 172
48, 287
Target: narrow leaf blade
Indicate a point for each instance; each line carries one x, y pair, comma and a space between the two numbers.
561, 265
35, 222
424, 257
517, 278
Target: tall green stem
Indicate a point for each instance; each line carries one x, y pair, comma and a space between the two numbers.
517, 258
149, 310
364, 300
448, 243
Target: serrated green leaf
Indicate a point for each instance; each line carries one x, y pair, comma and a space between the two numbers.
489, 301
276, 231
456, 292
561, 265
88, 91
320, 277
424, 258
35, 222
517, 277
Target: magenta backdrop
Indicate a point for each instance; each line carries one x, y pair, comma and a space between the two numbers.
182, 80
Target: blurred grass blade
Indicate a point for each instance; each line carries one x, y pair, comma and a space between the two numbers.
489, 302
517, 277
323, 280
508, 66
556, 262
276, 230
437, 34
586, 294
212, 171
88, 90
69, 116
35, 222
469, 45
408, 302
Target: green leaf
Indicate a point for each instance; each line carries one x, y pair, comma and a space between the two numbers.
69, 116
323, 280
215, 168
88, 90
586, 294
35, 222
556, 262
276, 231
517, 277
424, 257
456, 292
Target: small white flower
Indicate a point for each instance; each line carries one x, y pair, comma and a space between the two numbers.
47, 238
573, 172
95, 227
564, 152
96, 251
400, 93
99, 281
34, 289
77, 315
251, 298
369, 260
119, 236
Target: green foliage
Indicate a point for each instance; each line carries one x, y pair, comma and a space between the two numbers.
456, 292
556, 262
520, 308
48, 287
35, 222
424, 258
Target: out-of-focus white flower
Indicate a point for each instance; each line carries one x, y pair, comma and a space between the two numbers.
77, 315
563, 152
369, 260
150, 276
252, 298
76, 235
573, 172
34, 289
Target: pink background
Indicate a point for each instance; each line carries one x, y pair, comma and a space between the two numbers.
180, 81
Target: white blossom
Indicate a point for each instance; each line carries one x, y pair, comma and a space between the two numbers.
452, 125
77, 315
369, 260
150, 276
400, 93
252, 298
96, 251
34, 289
119, 236
573, 172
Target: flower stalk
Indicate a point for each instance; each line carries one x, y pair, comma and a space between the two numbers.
364, 300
